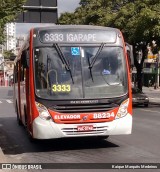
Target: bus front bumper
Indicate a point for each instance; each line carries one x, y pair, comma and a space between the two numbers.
43, 129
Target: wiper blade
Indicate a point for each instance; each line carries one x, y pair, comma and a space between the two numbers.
97, 54
94, 59
90, 69
61, 55
63, 59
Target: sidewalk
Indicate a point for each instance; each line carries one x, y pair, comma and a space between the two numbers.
2, 157
153, 94
150, 89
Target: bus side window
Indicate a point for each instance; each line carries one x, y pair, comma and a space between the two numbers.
25, 58
16, 73
22, 72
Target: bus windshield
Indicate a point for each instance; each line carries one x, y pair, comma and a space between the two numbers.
79, 72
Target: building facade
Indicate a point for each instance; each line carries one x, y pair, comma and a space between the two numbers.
10, 32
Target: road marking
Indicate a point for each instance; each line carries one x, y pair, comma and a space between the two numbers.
150, 110
9, 101
6, 100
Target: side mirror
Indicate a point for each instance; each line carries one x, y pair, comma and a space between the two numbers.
25, 59
129, 49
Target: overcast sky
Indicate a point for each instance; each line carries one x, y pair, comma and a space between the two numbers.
67, 5
63, 6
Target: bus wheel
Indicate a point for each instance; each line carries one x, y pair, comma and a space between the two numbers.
31, 139
18, 118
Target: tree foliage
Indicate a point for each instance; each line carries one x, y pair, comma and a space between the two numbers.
139, 21
8, 54
9, 9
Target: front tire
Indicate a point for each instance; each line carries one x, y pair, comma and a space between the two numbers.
30, 137
18, 118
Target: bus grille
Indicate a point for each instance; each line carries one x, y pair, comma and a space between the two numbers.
73, 131
83, 108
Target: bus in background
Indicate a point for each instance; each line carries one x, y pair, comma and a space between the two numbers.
73, 81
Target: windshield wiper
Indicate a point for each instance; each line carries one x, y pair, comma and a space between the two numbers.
90, 69
63, 59
97, 54
94, 59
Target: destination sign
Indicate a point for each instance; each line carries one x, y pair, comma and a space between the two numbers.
77, 36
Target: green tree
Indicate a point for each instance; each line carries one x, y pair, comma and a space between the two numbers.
9, 9
8, 54
89, 12
139, 21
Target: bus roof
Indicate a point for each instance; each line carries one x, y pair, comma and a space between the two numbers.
86, 27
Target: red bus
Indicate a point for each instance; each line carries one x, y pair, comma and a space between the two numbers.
73, 81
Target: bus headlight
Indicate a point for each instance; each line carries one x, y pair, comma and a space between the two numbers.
122, 109
43, 112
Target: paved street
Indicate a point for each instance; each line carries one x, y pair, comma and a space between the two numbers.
142, 146
153, 94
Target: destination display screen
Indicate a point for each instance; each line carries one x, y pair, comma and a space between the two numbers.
77, 36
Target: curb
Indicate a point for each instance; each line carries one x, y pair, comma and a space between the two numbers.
2, 157
3, 160
154, 103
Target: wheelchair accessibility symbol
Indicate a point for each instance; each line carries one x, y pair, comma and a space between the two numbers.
75, 51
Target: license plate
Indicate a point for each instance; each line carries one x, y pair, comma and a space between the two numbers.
85, 128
